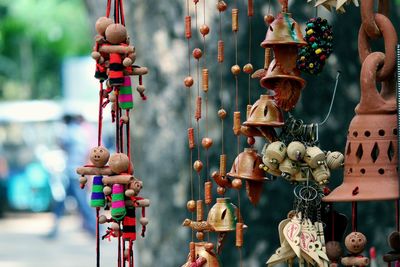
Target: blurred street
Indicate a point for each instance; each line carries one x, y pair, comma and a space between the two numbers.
23, 243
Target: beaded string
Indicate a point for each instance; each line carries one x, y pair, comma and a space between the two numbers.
235, 71
188, 83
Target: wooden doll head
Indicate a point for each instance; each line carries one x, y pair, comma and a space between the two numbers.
116, 34
101, 25
99, 156
355, 242
119, 163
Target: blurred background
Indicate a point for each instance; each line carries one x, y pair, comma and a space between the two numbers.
48, 113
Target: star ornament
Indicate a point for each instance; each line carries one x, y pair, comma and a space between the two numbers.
338, 5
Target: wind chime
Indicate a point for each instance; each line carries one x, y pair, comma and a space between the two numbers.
115, 188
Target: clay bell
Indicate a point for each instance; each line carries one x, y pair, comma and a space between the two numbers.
314, 156
296, 150
285, 81
223, 216
321, 174
201, 250
265, 112
289, 168
284, 30
370, 165
246, 166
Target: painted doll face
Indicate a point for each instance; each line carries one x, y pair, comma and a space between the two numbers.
355, 242
99, 156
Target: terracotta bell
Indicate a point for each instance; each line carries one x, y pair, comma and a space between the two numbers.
371, 150
284, 37
265, 112
223, 216
212, 259
247, 166
287, 84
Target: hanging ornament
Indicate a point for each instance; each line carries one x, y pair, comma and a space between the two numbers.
319, 38
337, 5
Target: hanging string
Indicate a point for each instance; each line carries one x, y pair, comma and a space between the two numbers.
108, 9
97, 238
250, 16
121, 9
100, 118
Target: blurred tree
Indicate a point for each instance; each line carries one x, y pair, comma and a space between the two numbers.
34, 38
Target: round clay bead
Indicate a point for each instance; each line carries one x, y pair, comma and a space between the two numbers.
235, 69
248, 68
101, 25
334, 250
107, 190
102, 219
221, 6
188, 81
206, 142
198, 165
144, 221
204, 29
237, 183
197, 53
222, 113
191, 205
221, 190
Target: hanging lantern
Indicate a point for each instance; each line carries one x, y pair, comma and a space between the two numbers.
203, 250
370, 166
246, 166
265, 112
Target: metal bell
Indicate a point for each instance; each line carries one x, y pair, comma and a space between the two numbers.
223, 216
246, 166
284, 30
265, 112
371, 154
275, 151
314, 156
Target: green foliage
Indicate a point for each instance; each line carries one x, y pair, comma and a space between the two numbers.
34, 38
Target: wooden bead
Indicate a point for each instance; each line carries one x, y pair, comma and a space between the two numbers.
394, 241
221, 6
208, 192
102, 219
239, 235
355, 242
115, 226
107, 190
269, 18
130, 192
188, 27
250, 8
188, 81
222, 113
199, 210
126, 254
221, 190
197, 53
334, 250
191, 205
198, 165
144, 221
248, 68
222, 165
198, 108
209, 247
220, 51
82, 180
191, 138
204, 29
112, 97
200, 236
251, 140
235, 19
192, 254
236, 123
237, 183
235, 69
205, 80
206, 142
